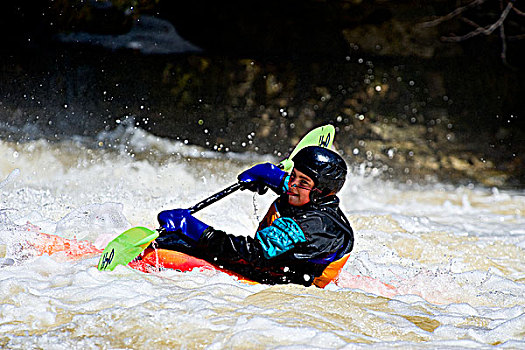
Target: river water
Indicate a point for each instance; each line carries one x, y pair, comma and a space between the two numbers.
435, 266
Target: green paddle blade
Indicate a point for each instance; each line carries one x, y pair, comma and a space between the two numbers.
322, 136
126, 247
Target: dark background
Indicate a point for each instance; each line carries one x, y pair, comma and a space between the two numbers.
403, 98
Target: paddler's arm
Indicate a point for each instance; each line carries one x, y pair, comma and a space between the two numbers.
219, 247
264, 250
187, 234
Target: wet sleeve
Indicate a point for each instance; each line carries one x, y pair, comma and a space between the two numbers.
220, 247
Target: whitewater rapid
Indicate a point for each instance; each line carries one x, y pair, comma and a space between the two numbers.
435, 266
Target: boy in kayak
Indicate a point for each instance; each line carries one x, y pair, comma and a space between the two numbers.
303, 239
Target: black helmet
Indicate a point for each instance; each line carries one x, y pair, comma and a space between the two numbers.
325, 167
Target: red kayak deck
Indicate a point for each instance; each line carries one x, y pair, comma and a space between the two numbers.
168, 259
153, 259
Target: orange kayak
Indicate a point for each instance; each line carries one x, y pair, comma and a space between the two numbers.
153, 260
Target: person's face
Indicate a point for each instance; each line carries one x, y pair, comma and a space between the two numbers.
299, 187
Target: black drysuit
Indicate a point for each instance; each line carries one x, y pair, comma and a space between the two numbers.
292, 244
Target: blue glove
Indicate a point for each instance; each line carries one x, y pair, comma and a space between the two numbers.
261, 175
183, 222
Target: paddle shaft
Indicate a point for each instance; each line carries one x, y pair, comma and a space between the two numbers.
214, 198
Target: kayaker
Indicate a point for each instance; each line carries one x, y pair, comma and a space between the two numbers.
304, 238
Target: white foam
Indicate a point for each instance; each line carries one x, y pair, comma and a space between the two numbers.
432, 267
